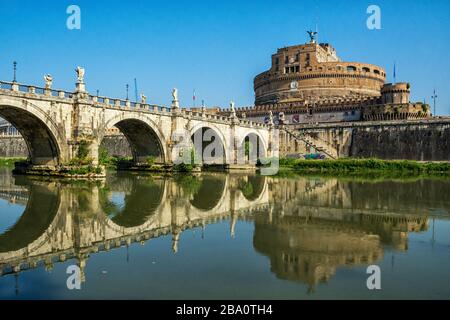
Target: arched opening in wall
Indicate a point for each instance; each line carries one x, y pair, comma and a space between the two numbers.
376, 71
205, 192
351, 68
129, 201
133, 139
208, 147
35, 208
251, 186
365, 69
252, 148
41, 143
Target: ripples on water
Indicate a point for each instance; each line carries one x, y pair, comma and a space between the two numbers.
224, 236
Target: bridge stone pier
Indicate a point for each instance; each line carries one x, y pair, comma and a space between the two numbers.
56, 123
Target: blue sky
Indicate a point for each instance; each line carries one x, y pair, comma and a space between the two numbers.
216, 47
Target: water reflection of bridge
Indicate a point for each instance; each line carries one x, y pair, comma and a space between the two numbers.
306, 227
65, 221
11, 192
14, 195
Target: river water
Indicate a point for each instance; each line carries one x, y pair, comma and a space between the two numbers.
218, 236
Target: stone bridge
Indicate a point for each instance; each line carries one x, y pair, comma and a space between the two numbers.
55, 123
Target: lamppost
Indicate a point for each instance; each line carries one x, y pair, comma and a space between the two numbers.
15, 70
434, 96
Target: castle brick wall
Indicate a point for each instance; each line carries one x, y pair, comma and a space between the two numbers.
423, 140
13, 147
117, 145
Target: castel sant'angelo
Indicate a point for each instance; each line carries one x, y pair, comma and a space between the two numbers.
342, 109
309, 83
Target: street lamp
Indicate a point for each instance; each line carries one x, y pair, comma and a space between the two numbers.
15, 70
434, 96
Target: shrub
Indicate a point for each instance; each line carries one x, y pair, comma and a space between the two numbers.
151, 160
83, 149
183, 167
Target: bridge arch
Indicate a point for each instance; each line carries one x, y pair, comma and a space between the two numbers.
210, 194
253, 146
143, 135
40, 214
209, 144
142, 200
253, 187
45, 143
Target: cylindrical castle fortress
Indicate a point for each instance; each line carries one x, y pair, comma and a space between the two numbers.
313, 72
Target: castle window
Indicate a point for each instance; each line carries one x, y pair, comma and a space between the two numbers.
286, 70
297, 57
286, 59
365, 69
277, 60
376, 71
307, 56
351, 68
292, 69
297, 68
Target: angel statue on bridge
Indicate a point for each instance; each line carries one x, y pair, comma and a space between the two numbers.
80, 74
175, 94
48, 81
143, 98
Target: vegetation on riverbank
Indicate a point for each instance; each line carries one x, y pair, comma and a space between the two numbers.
9, 162
351, 166
150, 164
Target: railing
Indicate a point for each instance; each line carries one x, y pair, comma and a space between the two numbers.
18, 87
317, 143
10, 135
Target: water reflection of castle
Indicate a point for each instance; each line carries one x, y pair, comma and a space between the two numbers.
333, 224
306, 227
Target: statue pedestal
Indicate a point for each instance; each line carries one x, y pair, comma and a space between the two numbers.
175, 108
80, 87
